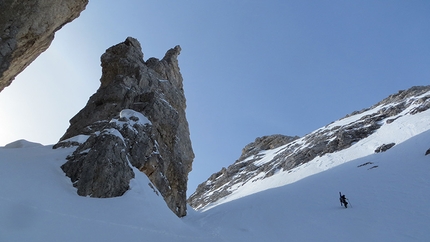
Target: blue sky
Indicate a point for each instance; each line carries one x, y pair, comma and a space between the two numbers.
250, 68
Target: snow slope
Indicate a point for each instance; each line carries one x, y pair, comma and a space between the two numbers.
39, 203
389, 194
389, 203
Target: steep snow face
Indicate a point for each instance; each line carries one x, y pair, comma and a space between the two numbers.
393, 120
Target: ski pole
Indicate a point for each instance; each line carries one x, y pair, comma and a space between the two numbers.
349, 202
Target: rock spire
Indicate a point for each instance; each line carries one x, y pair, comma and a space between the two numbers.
137, 118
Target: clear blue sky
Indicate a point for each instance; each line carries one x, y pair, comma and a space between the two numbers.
250, 68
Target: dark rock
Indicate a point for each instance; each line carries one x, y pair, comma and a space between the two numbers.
423, 105
384, 147
99, 167
144, 103
27, 29
373, 167
390, 120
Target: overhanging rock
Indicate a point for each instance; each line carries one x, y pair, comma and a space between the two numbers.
27, 29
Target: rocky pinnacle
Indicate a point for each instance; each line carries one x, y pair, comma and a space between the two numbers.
136, 117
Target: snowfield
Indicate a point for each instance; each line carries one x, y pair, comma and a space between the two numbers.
39, 203
388, 192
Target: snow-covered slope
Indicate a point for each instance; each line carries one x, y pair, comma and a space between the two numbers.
392, 121
39, 203
389, 202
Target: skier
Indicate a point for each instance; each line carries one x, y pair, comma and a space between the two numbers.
343, 200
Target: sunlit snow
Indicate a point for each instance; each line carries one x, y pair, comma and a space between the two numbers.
128, 113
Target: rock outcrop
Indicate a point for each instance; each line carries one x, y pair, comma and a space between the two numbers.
240, 172
384, 147
255, 165
265, 143
27, 29
136, 118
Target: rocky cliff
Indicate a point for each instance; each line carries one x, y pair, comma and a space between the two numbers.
259, 160
27, 29
135, 119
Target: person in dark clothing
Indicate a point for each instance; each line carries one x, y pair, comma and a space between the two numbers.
343, 200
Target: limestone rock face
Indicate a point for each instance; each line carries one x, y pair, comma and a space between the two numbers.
99, 167
27, 29
136, 117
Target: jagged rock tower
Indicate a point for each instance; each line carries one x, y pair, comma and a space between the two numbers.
136, 117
